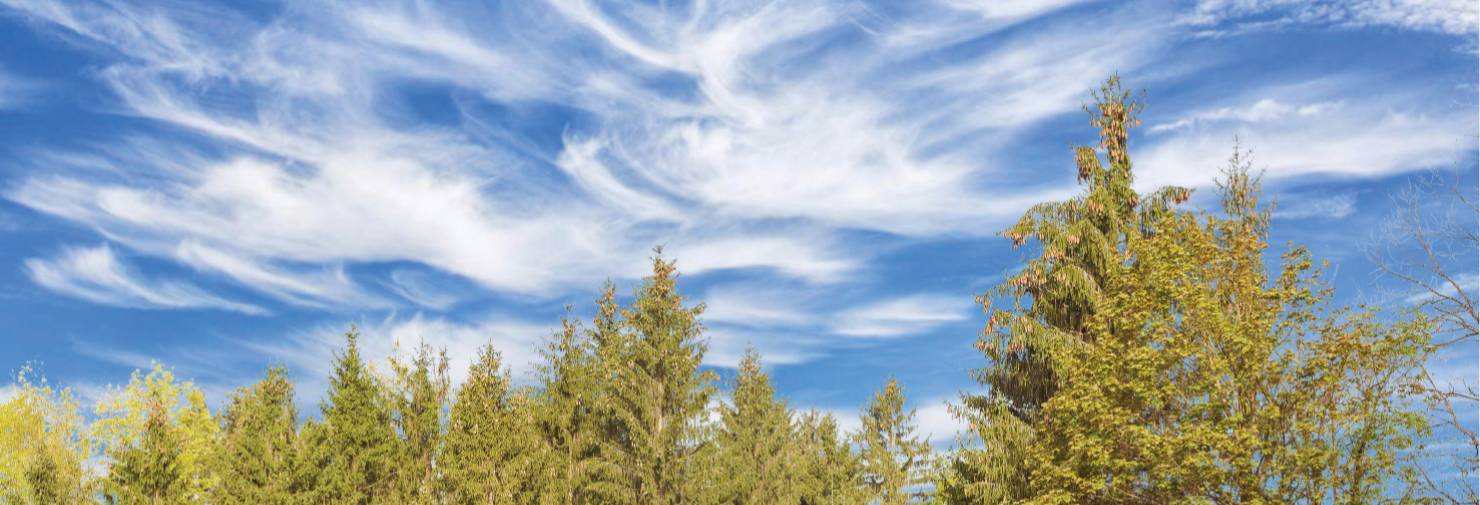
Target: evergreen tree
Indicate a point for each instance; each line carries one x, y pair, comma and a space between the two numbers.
656, 396
184, 437
1207, 381
755, 441
257, 444
311, 458
570, 393
829, 473
360, 438
417, 400
895, 460
148, 472
489, 454
1078, 241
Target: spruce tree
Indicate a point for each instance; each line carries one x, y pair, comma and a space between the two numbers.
564, 411
829, 473
44, 446
1044, 306
148, 471
417, 398
895, 460
311, 459
257, 444
754, 443
489, 454
360, 438
656, 396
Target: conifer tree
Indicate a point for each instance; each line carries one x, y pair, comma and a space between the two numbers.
176, 416
894, 458
148, 471
360, 438
257, 444
657, 394
829, 472
565, 410
489, 454
754, 445
1053, 296
417, 399
311, 458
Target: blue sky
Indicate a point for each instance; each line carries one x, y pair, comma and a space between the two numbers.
222, 187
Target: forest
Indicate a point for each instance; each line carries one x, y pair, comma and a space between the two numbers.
1144, 353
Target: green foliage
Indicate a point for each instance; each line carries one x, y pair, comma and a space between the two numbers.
490, 453
43, 445
362, 447
754, 442
655, 395
161, 439
895, 459
418, 394
565, 409
828, 472
257, 444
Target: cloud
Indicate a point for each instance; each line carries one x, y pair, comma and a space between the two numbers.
901, 316
1456, 17
1311, 206
96, 274
1303, 129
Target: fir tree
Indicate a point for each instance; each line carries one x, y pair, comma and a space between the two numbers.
895, 460
360, 438
657, 394
489, 455
755, 441
257, 445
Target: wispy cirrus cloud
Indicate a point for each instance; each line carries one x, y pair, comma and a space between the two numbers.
1446, 16
97, 275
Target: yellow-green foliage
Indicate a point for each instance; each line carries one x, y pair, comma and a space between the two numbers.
155, 414
44, 445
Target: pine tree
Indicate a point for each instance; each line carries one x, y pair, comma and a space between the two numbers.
257, 444
360, 438
657, 394
755, 441
311, 458
417, 399
829, 473
489, 454
1078, 240
895, 460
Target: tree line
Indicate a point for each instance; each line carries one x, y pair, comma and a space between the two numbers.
1143, 353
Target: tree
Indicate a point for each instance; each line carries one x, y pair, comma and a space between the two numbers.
417, 397
568, 405
489, 454
257, 443
894, 457
153, 429
1427, 245
43, 445
359, 436
1202, 380
829, 473
148, 471
656, 396
1053, 296
754, 444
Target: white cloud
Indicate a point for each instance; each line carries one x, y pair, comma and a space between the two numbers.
96, 274
902, 316
1308, 206
1458, 17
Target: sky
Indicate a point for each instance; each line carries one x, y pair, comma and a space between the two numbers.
223, 187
